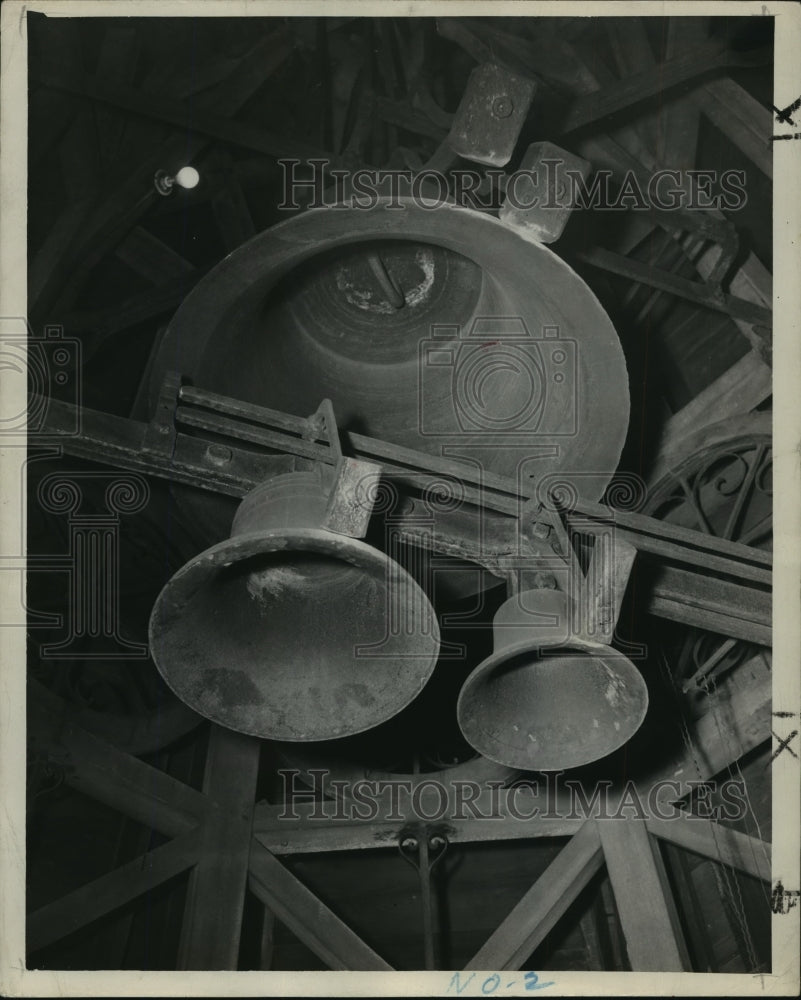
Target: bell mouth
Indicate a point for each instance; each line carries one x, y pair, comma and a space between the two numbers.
294, 635
371, 303
552, 709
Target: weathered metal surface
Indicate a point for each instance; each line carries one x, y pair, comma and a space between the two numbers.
607, 576
491, 114
423, 848
547, 699
523, 375
352, 497
540, 194
287, 631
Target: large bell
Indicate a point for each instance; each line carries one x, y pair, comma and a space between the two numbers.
546, 699
436, 329
290, 631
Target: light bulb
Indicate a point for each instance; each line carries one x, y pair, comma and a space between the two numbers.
187, 177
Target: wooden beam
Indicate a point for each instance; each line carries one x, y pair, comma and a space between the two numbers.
659, 80
230, 207
133, 194
109, 320
633, 54
57, 246
737, 721
216, 895
719, 843
708, 602
116, 64
153, 260
308, 835
267, 939
308, 917
746, 122
738, 390
544, 903
679, 118
692, 291
113, 777
647, 913
109, 892
181, 115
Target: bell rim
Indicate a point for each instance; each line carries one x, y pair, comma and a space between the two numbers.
248, 544
576, 644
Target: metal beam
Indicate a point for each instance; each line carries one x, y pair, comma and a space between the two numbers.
114, 440
545, 902
309, 918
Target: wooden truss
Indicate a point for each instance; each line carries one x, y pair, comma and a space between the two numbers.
229, 844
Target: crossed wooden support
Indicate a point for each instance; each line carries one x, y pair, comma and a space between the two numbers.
220, 834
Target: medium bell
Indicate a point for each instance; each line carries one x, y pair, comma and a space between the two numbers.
291, 631
547, 700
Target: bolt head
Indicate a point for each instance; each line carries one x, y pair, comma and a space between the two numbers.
219, 454
502, 107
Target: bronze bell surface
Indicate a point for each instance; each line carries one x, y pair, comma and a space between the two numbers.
546, 699
290, 631
435, 329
